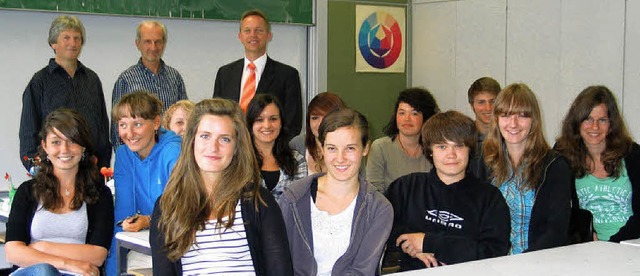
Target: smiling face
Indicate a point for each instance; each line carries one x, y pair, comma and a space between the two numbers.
595, 128
138, 133
214, 145
343, 152
483, 107
515, 128
63, 153
178, 123
450, 160
267, 125
408, 120
68, 45
254, 35
151, 43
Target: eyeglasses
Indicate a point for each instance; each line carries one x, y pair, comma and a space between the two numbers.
601, 121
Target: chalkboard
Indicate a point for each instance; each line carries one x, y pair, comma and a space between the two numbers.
284, 11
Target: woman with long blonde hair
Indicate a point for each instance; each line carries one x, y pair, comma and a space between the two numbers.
214, 217
534, 180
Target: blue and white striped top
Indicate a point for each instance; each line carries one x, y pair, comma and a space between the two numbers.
220, 251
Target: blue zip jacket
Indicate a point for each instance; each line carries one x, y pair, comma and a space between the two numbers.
140, 182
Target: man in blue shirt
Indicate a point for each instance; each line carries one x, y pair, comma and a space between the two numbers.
150, 73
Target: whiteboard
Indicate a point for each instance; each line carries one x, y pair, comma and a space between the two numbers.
196, 48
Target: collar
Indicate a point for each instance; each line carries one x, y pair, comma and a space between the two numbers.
141, 65
53, 65
260, 63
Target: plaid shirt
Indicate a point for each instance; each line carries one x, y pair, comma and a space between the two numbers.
520, 204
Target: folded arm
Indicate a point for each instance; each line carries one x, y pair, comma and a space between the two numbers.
20, 254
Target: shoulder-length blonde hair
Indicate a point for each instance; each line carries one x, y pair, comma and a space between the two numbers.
516, 98
186, 205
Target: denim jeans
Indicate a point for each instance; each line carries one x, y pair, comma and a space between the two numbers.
43, 269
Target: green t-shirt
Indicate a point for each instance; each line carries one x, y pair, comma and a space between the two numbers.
608, 199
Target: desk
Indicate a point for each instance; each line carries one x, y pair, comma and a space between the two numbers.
634, 242
586, 259
127, 241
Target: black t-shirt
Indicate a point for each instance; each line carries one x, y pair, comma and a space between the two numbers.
270, 178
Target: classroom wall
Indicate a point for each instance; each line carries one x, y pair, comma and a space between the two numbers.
196, 48
373, 94
557, 47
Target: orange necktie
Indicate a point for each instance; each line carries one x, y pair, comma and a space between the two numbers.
249, 89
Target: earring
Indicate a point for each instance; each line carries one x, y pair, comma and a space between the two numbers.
82, 159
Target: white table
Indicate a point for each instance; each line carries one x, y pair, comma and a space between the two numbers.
127, 241
586, 259
635, 242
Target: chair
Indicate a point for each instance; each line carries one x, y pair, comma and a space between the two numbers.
580, 226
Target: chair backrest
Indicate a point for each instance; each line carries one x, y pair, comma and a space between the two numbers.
580, 226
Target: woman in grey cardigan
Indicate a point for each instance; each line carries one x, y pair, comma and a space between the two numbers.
328, 216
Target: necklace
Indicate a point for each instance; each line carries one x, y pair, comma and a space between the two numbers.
66, 192
414, 152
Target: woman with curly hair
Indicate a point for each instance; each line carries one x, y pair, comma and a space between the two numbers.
176, 117
400, 152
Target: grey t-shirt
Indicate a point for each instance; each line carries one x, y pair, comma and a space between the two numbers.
69, 227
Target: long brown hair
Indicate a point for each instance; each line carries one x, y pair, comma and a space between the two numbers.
618, 140
280, 150
516, 98
186, 205
46, 187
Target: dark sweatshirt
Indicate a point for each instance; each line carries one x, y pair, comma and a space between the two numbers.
464, 221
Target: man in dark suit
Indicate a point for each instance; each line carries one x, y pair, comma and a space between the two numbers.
257, 73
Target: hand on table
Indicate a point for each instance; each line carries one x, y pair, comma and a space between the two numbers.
136, 223
410, 243
429, 259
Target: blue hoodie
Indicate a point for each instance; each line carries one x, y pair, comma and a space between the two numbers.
140, 182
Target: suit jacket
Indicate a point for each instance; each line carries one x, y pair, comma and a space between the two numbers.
278, 79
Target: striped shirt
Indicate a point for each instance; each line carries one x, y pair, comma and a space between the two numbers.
220, 251
167, 85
